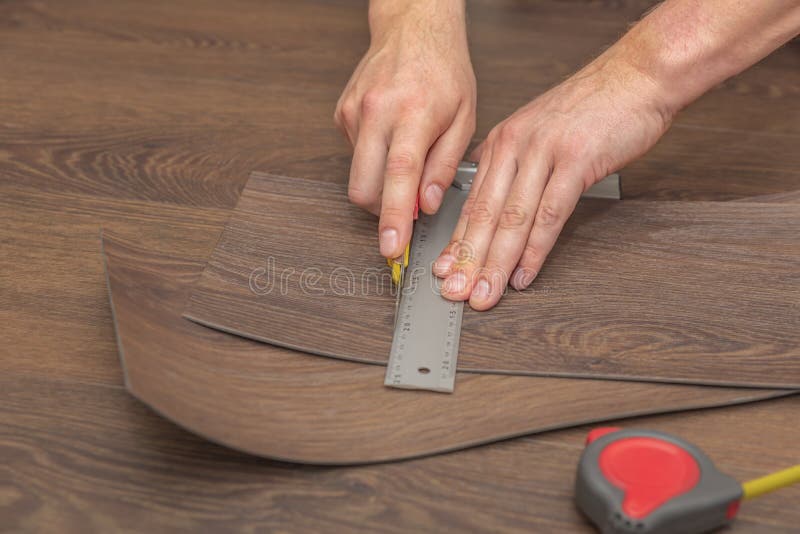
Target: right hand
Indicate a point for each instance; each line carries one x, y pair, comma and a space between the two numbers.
409, 113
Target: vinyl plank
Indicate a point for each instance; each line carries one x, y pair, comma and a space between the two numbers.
697, 292
293, 406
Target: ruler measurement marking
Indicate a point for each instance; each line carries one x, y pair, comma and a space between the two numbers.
425, 344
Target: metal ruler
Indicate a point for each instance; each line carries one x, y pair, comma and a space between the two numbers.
427, 327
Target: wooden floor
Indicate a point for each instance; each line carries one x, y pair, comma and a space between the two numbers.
145, 118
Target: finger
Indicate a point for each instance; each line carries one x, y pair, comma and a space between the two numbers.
342, 130
404, 163
484, 166
453, 252
366, 170
346, 115
340, 125
442, 163
345, 118
513, 229
484, 215
477, 152
558, 202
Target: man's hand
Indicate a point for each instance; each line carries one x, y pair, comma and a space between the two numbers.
535, 164
409, 113
534, 167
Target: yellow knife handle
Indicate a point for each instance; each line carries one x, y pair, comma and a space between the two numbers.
397, 266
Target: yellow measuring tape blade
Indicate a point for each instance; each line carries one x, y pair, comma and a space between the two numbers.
768, 483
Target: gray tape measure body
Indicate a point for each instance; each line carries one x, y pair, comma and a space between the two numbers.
701, 508
427, 328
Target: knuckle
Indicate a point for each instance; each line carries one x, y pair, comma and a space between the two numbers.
514, 217
496, 272
466, 209
491, 138
372, 102
508, 133
538, 146
532, 256
482, 213
413, 101
402, 165
452, 247
392, 213
359, 197
572, 149
599, 168
548, 215
347, 112
464, 252
449, 163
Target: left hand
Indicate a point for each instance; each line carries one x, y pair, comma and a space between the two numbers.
533, 168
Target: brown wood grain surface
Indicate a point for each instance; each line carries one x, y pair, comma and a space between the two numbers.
698, 292
293, 406
83, 457
53, 298
179, 101
146, 118
788, 197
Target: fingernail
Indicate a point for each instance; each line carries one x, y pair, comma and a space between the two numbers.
522, 278
433, 195
481, 290
443, 265
389, 243
455, 284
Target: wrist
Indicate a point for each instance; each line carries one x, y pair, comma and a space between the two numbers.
674, 48
614, 73
391, 16
686, 47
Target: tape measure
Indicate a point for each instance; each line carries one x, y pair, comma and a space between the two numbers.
650, 482
427, 327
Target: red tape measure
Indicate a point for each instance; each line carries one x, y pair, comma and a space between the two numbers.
631, 481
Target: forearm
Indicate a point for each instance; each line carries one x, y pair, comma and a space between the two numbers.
686, 47
435, 16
